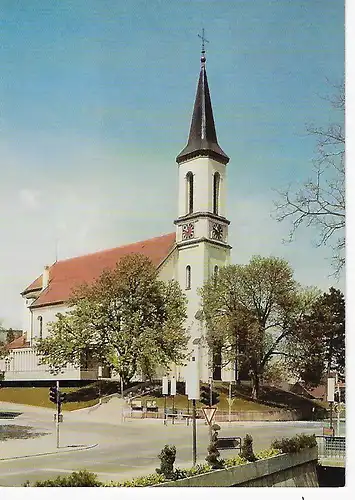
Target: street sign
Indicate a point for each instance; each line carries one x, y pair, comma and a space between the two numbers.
193, 380
328, 431
208, 413
165, 390
229, 443
173, 386
331, 389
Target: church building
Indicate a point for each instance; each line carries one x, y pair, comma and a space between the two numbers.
195, 251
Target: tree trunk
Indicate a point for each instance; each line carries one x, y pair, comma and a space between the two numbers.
255, 385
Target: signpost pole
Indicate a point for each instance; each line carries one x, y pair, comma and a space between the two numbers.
230, 402
330, 397
58, 413
173, 393
194, 444
165, 392
165, 423
211, 390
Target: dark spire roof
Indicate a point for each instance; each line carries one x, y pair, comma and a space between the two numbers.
202, 138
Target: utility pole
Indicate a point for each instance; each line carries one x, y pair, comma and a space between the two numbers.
230, 402
194, 442
211, 389
165, 392
194, 393
58, 412
330, 398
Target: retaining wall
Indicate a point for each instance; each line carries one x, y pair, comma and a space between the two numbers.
292, 469
263, 416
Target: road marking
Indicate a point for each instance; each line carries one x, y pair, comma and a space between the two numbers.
94, 472
17, 473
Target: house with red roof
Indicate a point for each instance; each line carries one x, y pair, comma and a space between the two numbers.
191, 254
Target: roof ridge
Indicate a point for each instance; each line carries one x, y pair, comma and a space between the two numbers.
113, 248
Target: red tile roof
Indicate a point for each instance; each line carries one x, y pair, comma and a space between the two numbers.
18, 343
64, 275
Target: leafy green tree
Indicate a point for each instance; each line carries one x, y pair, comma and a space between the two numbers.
249, 311
10, 336
3, 350
127, 319
320, 335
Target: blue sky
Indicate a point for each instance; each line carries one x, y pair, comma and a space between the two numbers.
95, 103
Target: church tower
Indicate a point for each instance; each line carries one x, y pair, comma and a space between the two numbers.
201, 226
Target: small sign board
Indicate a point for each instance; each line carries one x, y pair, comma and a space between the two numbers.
331, 389
209, 413
229, 443
173, 386
328, 431
165, 388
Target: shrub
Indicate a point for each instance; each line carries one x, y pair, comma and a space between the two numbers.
296, 443
233, 461
75, 479
247, 449
142, 481
167, 459
272, 452
213, 453
198, 469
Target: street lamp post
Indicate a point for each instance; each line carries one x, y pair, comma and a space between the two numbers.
194, 393
99, 376
165, 391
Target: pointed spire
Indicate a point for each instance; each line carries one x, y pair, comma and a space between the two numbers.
202, 138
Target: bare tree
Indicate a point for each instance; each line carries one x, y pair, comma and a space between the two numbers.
320, 201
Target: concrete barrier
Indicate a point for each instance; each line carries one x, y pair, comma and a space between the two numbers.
291, 469
223, 416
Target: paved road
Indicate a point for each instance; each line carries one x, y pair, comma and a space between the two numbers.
124, 450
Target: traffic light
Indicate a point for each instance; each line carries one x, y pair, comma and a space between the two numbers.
215, 398
53, 395
205, 396
62, 397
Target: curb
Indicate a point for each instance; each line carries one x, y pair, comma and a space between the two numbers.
88, 447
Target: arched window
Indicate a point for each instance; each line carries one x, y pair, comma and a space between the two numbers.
40, 327
188, 277
216, 183
190, 192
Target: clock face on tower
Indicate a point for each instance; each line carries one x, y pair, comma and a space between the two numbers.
217, 232
188, 231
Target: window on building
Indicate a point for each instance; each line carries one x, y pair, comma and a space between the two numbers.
188, 277
216, 183
190, 192
40, 327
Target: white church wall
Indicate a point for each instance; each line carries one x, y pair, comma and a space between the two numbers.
203, 170
27, 322
167, 270
48, 314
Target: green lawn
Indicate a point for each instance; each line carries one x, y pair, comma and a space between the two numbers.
87, 396
39, 396
181, 403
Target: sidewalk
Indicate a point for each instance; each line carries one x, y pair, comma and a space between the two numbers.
44, 445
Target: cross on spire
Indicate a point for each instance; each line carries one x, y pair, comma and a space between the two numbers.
203, 59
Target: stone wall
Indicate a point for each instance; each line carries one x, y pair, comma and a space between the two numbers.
292, 469
272, 415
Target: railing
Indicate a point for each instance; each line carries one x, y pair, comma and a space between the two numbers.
333, 447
